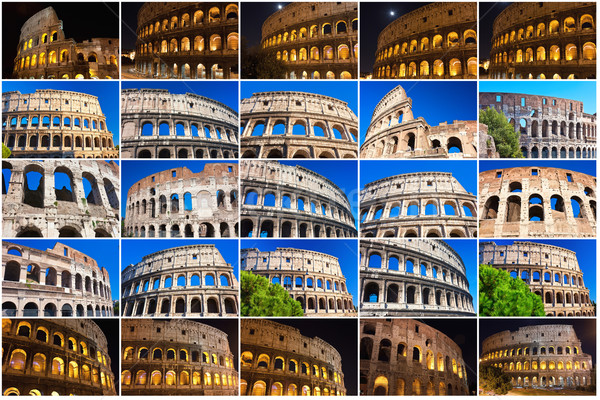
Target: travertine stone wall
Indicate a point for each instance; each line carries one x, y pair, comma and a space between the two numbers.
487, 145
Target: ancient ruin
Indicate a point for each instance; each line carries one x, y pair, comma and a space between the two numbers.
50, 212
487, 145
45, 52
158, 124
541, 202
292, 201
181, 203
55, 357
314, 40
436, 41
402, 357
297, 125
277, 360
418, 204
395, 133
55, 124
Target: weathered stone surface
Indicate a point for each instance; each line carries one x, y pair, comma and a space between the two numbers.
487, 145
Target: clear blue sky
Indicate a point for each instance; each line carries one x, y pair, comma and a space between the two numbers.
346, 250
586, 256
572, 90
467, 250
107, 93
105, 252
584, 166
343, 173
223, 92
134, 170
463, 170
435, 101
345, 91
132, 250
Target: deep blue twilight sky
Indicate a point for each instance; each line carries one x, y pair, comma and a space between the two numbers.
107, 93
584, 166
433, 100
105, 252
585, 249
223, 92
132, 250
346, 250
573, 90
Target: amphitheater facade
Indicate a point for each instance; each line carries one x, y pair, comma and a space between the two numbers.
395, 133
192, 280
436, 41
45, 52
55, 124
57, 357
407, 357
49, 212
158, 124
551, 272
544, 41
181, 203
539, 356
314, 279
176, 357
297, 125
418, 204
314, 40
538, 202
187, 40
277, 360
292, 201
413, 278
550, 127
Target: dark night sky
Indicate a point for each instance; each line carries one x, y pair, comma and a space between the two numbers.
487, 14
81, 21
110, 327
129, 13
253, 15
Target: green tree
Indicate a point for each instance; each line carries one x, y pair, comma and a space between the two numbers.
258, 63
505, 137
260, 298
501, 295
5, 151
493, 379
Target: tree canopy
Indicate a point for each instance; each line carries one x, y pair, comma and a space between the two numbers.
505, 137
493, 379
259, 298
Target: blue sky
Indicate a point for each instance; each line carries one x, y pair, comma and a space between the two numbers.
134, 170
343, 173
107, 93
572, 90
584, 166
105, 252
586, 257
345, 91
346, 250
435, 101
223, 92
463, 170
132, 250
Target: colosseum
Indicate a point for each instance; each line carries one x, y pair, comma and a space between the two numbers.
78, 128
413, 278
45, 52
57, 357
158, 124
297, 125
47, 211
551, 272
182, 281
538, 202
292, 201
411, 205
487, 145
83, 290
314, 40
176, 357
435, 366
539, 356
544, 40
436, 41
181, 203
395, 133
314, 279
277, 360
550, 127
187, 40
